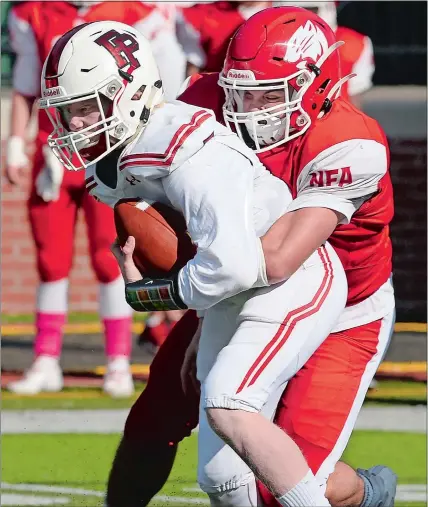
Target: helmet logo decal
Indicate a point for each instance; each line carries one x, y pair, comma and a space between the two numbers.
241, 74
122, 47
307, 42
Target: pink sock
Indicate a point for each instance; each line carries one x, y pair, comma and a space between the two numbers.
49, 329
118, 336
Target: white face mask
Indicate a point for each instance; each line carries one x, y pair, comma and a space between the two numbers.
66, 143
270, 126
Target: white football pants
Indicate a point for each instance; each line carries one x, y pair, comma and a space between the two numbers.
250, 346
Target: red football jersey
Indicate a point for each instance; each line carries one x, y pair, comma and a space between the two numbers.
34, 29
356, 56
123, 12
206, 30
342, 158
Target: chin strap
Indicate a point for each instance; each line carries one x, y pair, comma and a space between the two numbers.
147, 109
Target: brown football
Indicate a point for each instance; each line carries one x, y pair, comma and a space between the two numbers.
162, 244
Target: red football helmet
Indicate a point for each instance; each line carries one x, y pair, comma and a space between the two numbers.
287, 49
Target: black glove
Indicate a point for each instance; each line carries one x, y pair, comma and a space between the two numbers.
154, 294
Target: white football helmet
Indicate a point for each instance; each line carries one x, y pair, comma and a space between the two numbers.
325, 10
112, 63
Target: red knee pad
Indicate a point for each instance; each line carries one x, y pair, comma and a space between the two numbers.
163, 412
50, 266
104, 264
54, 244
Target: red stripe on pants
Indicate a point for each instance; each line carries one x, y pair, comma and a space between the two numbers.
289, 323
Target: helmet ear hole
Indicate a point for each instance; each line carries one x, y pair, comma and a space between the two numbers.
139, 93
323, 86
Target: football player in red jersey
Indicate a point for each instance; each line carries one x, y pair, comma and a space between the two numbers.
204, 30
55, 197
282, 99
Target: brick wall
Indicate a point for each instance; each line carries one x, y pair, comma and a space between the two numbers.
19, 276
409, 227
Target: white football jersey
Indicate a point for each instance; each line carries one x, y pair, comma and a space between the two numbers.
187, 160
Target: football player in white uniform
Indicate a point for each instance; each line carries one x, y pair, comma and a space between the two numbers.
101, 88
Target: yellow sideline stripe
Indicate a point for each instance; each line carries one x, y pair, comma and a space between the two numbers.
81, 328
93, 394
136, 369
410, 327
137, 327
407, 392
62, 395
409, 367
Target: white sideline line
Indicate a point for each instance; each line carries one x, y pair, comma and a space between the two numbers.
41, 488
26, 500
405, 493
390, 418
182, 499
411, 493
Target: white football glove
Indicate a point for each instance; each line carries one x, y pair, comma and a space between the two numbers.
15, 154
48, 182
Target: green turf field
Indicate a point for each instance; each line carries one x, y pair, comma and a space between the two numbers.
41, 464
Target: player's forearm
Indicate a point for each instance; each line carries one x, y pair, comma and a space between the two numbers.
293, 238
216, 275
21, 108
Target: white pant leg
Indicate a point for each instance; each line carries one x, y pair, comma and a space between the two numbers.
279, 329
318, 288
222, 474
219, 326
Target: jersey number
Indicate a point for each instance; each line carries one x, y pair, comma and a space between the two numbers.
122, 47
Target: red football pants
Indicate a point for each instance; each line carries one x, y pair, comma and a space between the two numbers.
53, 224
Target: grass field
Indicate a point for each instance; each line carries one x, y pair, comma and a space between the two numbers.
71, 469
81, 462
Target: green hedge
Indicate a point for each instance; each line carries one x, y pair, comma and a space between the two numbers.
6, 52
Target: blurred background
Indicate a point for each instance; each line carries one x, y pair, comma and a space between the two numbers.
394, 93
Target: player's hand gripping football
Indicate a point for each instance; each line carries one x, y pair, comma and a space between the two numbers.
124, 258
146, 294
